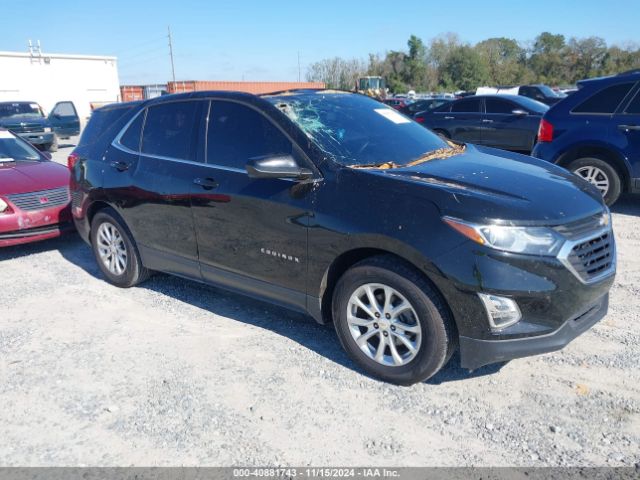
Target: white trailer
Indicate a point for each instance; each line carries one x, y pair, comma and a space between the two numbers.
47, 78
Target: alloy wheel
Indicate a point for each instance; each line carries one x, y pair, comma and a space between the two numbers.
384, 324
596, 177
111, 248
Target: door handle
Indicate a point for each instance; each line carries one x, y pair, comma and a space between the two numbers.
486, 120
120, 166
449, 118
206, 183
626, 128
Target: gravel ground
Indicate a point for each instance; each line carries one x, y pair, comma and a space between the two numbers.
176, 373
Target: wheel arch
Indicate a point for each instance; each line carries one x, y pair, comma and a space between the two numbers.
605, 153
94, 208
349, 258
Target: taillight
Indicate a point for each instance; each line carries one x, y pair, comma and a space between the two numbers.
545, 131
419, 119
71, 160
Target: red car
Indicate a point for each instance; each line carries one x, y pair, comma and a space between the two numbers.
34, 193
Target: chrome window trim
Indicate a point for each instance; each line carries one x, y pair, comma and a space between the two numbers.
565, 252
116, 141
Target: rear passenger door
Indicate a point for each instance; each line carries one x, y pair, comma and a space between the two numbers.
252, 233
464, 121
151, 180
625, 132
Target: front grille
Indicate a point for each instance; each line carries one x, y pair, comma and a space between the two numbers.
40, 200
26, 128
580, 228
593, 258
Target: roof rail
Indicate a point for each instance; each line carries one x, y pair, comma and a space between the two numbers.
629, 72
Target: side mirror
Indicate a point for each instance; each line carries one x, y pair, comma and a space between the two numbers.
277, 166
520, 113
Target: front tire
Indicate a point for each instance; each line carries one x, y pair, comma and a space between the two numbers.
115, 250
601, 175
392, 322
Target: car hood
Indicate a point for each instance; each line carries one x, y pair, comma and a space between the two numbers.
486, 184
24, 177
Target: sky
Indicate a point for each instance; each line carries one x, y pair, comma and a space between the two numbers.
262, 40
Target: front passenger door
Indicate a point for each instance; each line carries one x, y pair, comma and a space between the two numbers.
502, 128
252, 233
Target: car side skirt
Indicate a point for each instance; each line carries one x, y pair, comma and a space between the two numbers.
230, 281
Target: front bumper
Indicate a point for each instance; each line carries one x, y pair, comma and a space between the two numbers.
8, 239
38, 138
556, 305
20, 226
476, 353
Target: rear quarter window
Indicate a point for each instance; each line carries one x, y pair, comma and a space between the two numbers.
99, 123
605, 101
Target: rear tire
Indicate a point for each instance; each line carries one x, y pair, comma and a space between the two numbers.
601, 174
115, 250
426, 325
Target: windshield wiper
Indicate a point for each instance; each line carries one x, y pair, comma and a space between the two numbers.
446, 152
440, 153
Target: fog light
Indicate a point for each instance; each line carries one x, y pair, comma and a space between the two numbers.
502, 312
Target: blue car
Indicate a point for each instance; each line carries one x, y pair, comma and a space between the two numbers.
595, 133
509, 122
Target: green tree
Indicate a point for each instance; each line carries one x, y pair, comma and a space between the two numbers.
547, 58
415, 72
464, 69
505, 60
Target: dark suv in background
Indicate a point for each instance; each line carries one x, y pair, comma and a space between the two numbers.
333, 204
595, 133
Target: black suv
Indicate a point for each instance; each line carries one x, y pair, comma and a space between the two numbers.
335, 205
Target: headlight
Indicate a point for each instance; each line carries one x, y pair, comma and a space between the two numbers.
3, 206
527, 240
47, 129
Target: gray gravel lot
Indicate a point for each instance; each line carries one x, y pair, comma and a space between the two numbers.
177, 373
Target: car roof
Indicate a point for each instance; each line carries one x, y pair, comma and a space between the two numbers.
632, 75
498, 95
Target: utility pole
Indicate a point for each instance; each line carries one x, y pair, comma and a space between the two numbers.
173, 68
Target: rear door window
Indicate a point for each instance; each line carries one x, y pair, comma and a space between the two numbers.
634, 106
500, 106
466, 105
605, 101
170, 130
238, 133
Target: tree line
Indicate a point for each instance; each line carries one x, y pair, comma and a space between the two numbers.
448, 64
